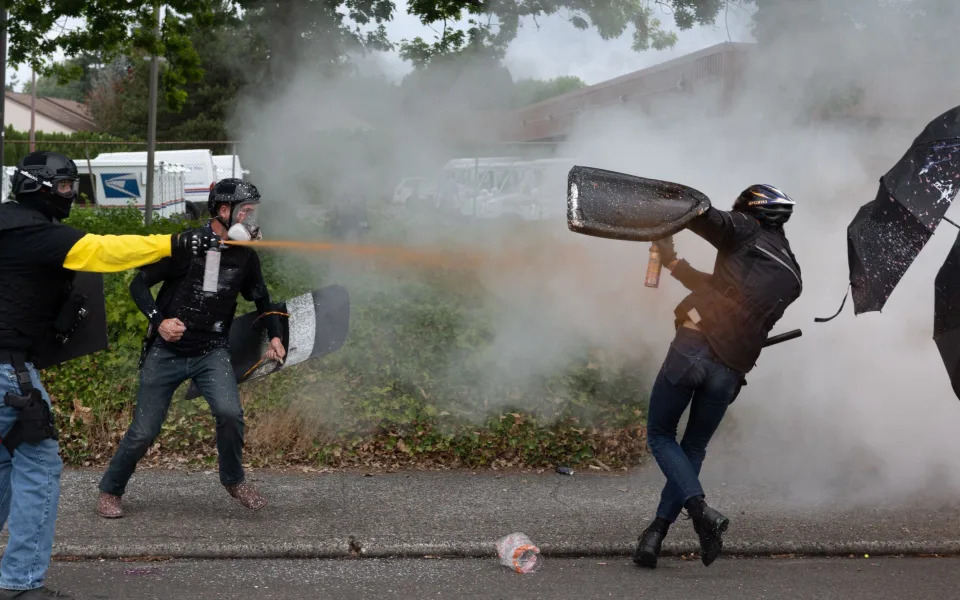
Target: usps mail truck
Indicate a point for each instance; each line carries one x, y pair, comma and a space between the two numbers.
200, 176
110, 182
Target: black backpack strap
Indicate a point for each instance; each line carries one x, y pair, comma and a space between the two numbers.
19, 362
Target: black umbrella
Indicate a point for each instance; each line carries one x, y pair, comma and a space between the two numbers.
946, 314
887, 233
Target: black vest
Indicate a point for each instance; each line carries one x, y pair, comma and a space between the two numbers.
30, 298
207, 316
751, 287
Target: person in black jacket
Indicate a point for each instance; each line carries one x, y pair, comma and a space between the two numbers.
193, 327
721, 327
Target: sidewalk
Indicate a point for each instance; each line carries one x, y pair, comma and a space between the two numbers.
461, 513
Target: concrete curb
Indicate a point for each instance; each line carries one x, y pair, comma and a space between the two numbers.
353, 548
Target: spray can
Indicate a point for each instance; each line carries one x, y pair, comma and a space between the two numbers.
653, 268
211, 271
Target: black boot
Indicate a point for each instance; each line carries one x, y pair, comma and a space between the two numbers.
709, 525
649, 543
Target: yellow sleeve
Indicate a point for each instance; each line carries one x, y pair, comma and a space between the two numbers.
111, 253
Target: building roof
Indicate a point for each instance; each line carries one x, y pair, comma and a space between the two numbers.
73, 115
645, 72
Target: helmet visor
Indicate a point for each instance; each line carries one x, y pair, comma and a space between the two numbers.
65, 187
33, 182
246, 213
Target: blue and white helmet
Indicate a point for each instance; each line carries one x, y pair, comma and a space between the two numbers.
765, 202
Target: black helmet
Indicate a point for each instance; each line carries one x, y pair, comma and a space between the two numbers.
37, 181
242, 197
765, 202
231, 191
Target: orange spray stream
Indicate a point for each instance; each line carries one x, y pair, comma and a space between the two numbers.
524, 260
387, 253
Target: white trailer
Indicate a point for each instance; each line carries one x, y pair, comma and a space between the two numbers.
228, 165
201, 174
111, 182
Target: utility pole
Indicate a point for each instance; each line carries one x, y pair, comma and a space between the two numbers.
152, 119
3, 74
33, 113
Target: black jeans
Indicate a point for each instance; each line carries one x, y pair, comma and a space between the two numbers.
691, 375
163, 371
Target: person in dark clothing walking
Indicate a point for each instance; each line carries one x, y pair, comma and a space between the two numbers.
39, 258
193, 327
721, 327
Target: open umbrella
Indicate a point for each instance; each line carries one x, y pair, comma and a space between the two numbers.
887, 233
946, 314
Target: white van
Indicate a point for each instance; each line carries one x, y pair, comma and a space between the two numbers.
533, 190
460, 181
201, 174
415, 190
228, 165
110, 182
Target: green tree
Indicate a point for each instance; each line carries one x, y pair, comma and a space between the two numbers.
286, 34
75, 86
110, 28
472, 79
11, 85
120, 99
466, 24
282, 33
531, 91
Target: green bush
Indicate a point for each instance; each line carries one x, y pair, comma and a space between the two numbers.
411, 385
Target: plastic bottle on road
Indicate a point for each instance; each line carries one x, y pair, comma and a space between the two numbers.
517, 552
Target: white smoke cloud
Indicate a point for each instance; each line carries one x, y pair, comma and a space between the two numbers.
855, 408
860, 407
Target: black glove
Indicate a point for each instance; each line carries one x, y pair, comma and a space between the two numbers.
665, 248
193, 242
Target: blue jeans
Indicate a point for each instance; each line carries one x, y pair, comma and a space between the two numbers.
29, 495
691, 375
162, 373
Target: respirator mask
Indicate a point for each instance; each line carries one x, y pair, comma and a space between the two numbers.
244, 223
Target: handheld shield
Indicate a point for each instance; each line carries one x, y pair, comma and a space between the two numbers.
88, 333
315, 324
615, 205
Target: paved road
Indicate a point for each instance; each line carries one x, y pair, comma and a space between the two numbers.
559, 579
413, 513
